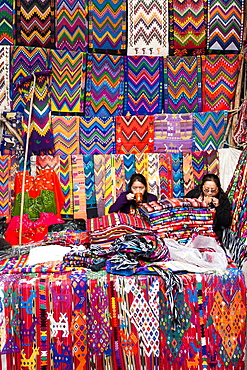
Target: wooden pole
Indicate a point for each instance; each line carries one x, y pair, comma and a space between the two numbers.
25, 159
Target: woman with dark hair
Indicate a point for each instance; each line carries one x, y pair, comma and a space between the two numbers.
210, 192
137, 191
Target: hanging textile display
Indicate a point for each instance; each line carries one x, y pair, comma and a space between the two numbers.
67, 80
4, 76
65, 131
129, 166
208, 130
11, 135
177, 174
71, 25
134, 134
5, 185
153, 180
110, 180
99, 180
35, 23
143, 85
97, 135
107, 25
240, 129
182, 84
188, 173
105, 84
188, 24
165, 175
141, 163
120, 175
7, 22
90, 186
219, 79
79, 187
203, 163
173, 132
225, 25
148, 28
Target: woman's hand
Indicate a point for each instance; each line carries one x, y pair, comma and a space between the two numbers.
215, 202
130, 196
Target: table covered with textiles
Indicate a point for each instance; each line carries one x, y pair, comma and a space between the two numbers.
80, 319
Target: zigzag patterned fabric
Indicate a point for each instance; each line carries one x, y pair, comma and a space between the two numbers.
104, 87
165, 175
213, 161
66, 134
129, 166
107, 25
208, 130
141, 163
182, 84
35, 23
148, 27
134, 134
219, 79
225, 25
173, 132
90, 186
99, 177
68, 81
5, 186
143, 84
4, 78
6, 22
188, 172
71, 25
24, 62
240, 129
79, 187
187, 25
97, 135
177, 174
203, 163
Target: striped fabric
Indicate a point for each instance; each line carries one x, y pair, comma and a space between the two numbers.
208, 130
203, 163
66, 134
173, 132
90, 186
147, 27
182, 84
104, 87
7, 22
99, 177
71, 25
79, 188
165, 175
68, 81
35, 23
4, 77
225, 25
187, 25
97, 135
107, 25
143, 85
134, 134
240, 129
219, 79
5, 186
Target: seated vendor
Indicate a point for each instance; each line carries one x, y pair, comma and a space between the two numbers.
137, 192
210, 192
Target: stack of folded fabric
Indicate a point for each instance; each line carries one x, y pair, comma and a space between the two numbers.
179, 219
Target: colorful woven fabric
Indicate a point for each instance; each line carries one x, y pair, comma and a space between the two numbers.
71, 25
203, 163
4, 77
173, 132
153, 180
177, 173
219, 79
35, 23
79, 188
188, 172
134, 134
97, 135
182, 84
10, 145
65, 131
143, 85
165, 175
6, 22
104, 87
225, 25
208, 130
240, 129
90, 186
147, 27
5, 194
107, 25
99, 179
187, 26
68, 81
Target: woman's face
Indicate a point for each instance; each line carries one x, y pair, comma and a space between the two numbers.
210, 189
138, 187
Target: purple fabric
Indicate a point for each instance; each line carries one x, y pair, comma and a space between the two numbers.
122, 204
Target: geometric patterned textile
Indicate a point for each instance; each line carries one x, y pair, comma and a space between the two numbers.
5, 186
35, 23
240, 129
225, 25
208, 130
107, 25
182, 84
219, 79
6, 22
71, 25
66, 134
148, 27
173, 132
134, 134
97, 135
104, 86
4, 78
203, 163
79, 191
188, 26
143, 84
68, 81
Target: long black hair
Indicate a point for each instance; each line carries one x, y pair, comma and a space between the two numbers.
139, 177
216, 180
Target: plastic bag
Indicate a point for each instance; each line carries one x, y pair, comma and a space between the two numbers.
203, 251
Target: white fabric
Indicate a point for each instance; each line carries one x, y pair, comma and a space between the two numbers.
228, 160
46, 253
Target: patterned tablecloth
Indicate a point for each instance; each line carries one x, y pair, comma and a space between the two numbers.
85, 320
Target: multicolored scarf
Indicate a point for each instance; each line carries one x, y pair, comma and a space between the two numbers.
7, 22
240, 129
4, 77
65, 131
